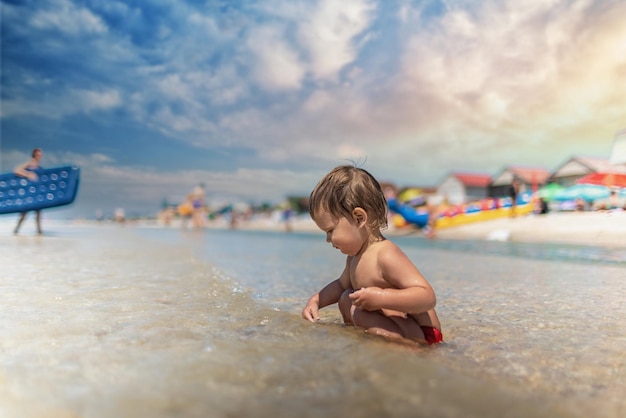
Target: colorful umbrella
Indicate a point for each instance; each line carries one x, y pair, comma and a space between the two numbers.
548, 191
604, 179
587, 192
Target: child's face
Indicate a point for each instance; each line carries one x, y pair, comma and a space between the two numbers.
344, 234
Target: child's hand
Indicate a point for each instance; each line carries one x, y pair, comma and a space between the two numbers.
367, 298
311, 312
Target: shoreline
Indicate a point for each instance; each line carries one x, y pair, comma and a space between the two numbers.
605, 229
599, 228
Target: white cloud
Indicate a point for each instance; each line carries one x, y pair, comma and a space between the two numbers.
106, 185
350, 152
473, 80
275, 64
66, 17
67, 103
98, 100
318, 101
328, 34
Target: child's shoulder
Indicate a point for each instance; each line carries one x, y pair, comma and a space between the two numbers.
388, 248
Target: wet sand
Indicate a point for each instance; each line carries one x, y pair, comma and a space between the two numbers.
98, 322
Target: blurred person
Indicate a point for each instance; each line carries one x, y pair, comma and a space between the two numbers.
513, 192
120, 215
287, 215
198, 207
614, 201
28, 170
185, 210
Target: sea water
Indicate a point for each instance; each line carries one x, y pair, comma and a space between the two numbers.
128, 322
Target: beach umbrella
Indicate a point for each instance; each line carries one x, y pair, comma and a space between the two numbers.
548, 191
604, 179
587, 192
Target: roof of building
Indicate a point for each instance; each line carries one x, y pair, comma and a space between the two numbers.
473, 179
531, 175
587, 165
528, 175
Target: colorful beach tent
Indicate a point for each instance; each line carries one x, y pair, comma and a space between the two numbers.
587, 192
604, 179
548, 191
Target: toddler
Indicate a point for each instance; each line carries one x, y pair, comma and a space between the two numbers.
380, 289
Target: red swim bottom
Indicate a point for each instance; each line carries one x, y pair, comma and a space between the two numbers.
432, 335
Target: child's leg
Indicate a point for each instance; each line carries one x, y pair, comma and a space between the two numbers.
345, 305
375, 322
395, 327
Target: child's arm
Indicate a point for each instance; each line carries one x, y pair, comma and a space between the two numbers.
327, 296
412, 300
408, 290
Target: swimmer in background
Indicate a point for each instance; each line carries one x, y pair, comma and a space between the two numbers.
380, 289
198, 205
185, 210
27, 170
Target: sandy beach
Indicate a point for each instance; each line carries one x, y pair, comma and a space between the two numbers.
584, 228
601, 228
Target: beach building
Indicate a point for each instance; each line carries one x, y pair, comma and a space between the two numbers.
528, 178
460, 187
618, 152
576, 167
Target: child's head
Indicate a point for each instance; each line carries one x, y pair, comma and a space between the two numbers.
346, 188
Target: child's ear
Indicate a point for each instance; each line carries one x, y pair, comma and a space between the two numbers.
359, 215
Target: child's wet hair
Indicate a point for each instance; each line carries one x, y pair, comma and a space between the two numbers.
346, 188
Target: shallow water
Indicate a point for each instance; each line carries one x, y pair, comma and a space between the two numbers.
124, 322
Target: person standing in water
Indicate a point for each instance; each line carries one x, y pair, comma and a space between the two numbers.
27, 170
380, 289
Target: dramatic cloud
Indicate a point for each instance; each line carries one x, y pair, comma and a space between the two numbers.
258, 99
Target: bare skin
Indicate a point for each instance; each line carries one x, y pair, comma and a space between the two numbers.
23, 171
33, 163
380, 289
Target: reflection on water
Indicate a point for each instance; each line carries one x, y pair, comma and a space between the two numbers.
548, 317
124, 322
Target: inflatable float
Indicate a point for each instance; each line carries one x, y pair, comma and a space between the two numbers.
54, 187
455, 215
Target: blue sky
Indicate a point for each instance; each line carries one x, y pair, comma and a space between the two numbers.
258, 99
